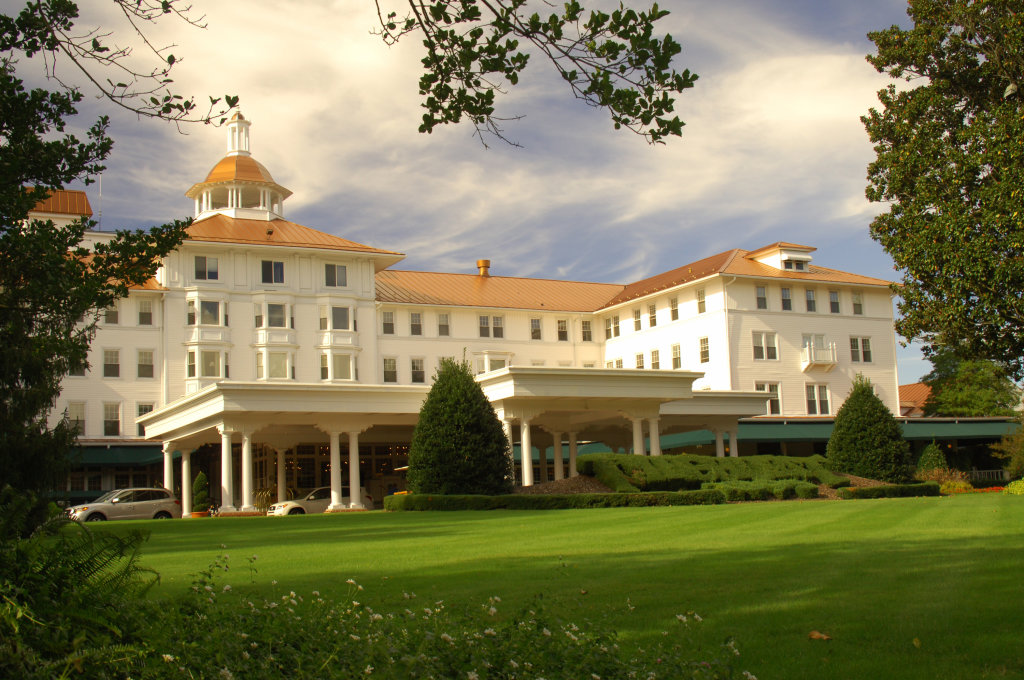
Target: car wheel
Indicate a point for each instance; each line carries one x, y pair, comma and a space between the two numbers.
296, 511
95, 517
162, 515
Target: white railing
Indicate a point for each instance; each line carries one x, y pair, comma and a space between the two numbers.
988, 475
817, 356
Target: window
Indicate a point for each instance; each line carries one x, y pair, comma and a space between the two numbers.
858, 304
111, 363
335, 275
762, 297
811, 304
418, 375
618, 363
588, 333
764, 346
325, 371
860, 350
388, 323
390, 370
259, 365
334, 318
76, 416
563, 330
655, 359
190, 313
702, 305
639, 360
209, 313
496, 364
277, 364
209, 364
673, 307
833, 301
677, 359
608, 328
817, 400
499, 326
259, 316
77, 371
273, 272
797, 265
535, 329
110, 316
609, 364
276, 316
705, 351
485, 326
145, 364
342, 367
190, 365
652, 315
111, 419
772, 404
615, 326
415, 323
443, 327
145, 312
787, 300
636, 319
206, 268
143, 409
227, 370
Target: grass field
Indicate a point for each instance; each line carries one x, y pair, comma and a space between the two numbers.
906, 588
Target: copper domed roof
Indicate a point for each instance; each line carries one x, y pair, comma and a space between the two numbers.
238, 168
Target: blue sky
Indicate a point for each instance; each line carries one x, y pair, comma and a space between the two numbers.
773, 148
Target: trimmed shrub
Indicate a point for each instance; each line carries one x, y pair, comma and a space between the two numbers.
458, 446
955, 486
623, 472
410, 502
200, 495
891, 491
759, 490
932, 458
866, 440
1015, 488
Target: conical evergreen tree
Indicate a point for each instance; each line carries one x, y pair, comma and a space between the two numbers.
866, 439
932, 458
459, 446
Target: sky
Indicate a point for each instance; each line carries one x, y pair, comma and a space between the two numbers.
773, 148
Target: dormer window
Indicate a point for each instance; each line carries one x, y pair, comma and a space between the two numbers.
795, 265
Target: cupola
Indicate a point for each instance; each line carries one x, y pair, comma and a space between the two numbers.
238, 185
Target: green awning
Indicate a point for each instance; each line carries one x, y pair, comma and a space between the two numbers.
121, 455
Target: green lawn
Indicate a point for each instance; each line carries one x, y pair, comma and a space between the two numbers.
907, 588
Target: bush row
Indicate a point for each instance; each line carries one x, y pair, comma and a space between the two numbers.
629, 474
891, 491
552, 501
1015, 488
758, 490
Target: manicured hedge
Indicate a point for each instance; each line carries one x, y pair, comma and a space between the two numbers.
892, 491
551, 501
759, 490
629, 474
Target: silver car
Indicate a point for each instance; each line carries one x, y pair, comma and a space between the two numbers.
128, 504
316, 501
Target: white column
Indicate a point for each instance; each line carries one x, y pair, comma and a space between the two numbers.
542, 456
638, 437
557, 448
227, 488
354, 496
655, 427
336, 491
719, 444
282, 481
247, 505
572, 455
734, 442
169, 466
186, 484
526, 451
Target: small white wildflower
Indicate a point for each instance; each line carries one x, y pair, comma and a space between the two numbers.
245, 654
681, 618
168, 658
208, 588
471, 675
316, 593
226, 674
492, 611
354, 636
223, 547
254, 645
227, 588
243, 635
446, 637
350, 581
595, 676
749, 676
376, 617
359, 587
355, 604
547, 633
368, 670
274, 582
697, 618
489, 631
512, 662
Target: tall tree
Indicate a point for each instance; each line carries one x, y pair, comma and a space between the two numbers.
866, 440
950, 164
475, 49
968, 387
458, 445
51, 287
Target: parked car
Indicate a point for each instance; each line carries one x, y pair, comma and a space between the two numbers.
316, 501
128, 504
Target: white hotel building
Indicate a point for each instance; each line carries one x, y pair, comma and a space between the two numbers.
278, 357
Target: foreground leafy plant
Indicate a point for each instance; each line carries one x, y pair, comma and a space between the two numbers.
219, 632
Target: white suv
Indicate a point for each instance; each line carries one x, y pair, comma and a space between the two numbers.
128, 504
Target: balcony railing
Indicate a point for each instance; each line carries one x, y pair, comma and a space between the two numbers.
819, 357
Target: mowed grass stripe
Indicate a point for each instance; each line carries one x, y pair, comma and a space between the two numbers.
907, 588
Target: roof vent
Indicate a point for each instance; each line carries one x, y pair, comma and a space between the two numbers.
484, 266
